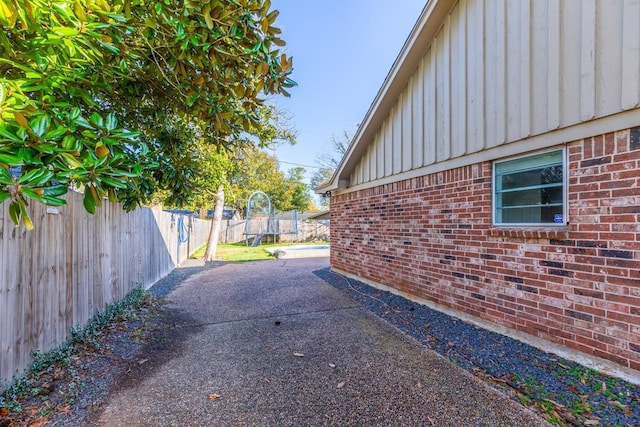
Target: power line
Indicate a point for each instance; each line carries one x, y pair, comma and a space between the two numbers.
298, 164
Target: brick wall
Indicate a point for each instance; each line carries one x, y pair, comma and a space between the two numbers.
431, 237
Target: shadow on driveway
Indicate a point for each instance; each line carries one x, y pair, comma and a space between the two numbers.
272, 344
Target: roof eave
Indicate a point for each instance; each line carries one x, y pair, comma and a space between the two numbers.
330, 186
403, 68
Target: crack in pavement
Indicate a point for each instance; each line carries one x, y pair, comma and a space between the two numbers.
274, 316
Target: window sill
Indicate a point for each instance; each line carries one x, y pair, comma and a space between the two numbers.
557, 233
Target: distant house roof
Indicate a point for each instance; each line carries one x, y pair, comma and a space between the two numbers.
322, 215
226, 213
288, 215
181, 212
230, 214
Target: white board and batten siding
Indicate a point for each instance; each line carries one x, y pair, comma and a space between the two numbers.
499, 72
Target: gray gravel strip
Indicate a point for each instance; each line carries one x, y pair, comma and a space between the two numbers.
271, 344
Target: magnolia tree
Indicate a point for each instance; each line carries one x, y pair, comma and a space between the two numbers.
107, 96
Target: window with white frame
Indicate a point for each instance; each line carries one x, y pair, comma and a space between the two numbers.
530, 190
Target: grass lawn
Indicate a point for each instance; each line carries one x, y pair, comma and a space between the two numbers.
239, 252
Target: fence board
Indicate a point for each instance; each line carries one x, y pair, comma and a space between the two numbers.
232, 231
74, 264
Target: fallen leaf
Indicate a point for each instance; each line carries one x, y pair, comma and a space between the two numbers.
3, 412
341, 384
332, 365
298, 354
213, 396
592, 422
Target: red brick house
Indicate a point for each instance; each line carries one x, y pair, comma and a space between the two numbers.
496, 175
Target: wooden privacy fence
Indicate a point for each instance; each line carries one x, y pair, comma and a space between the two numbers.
73, 264
232, 231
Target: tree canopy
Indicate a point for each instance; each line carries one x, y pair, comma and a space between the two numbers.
240, 169
257, 170
109, 96
300, 192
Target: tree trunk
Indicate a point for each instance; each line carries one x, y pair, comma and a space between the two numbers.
214, 233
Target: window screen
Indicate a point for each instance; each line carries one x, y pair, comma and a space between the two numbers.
530, 190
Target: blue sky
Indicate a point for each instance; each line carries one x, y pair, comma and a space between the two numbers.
342, 51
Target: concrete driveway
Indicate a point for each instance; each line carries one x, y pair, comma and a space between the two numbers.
271, 344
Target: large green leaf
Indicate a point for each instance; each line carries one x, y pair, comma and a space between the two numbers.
5, 177
54, 201
32, 194
121, 173
55, 190
39, 125
113, 182
70, 160
111, 123
14, 213
88, 202
36, 177
10, 159
56, 133
26, 219
5, 133
74, 113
